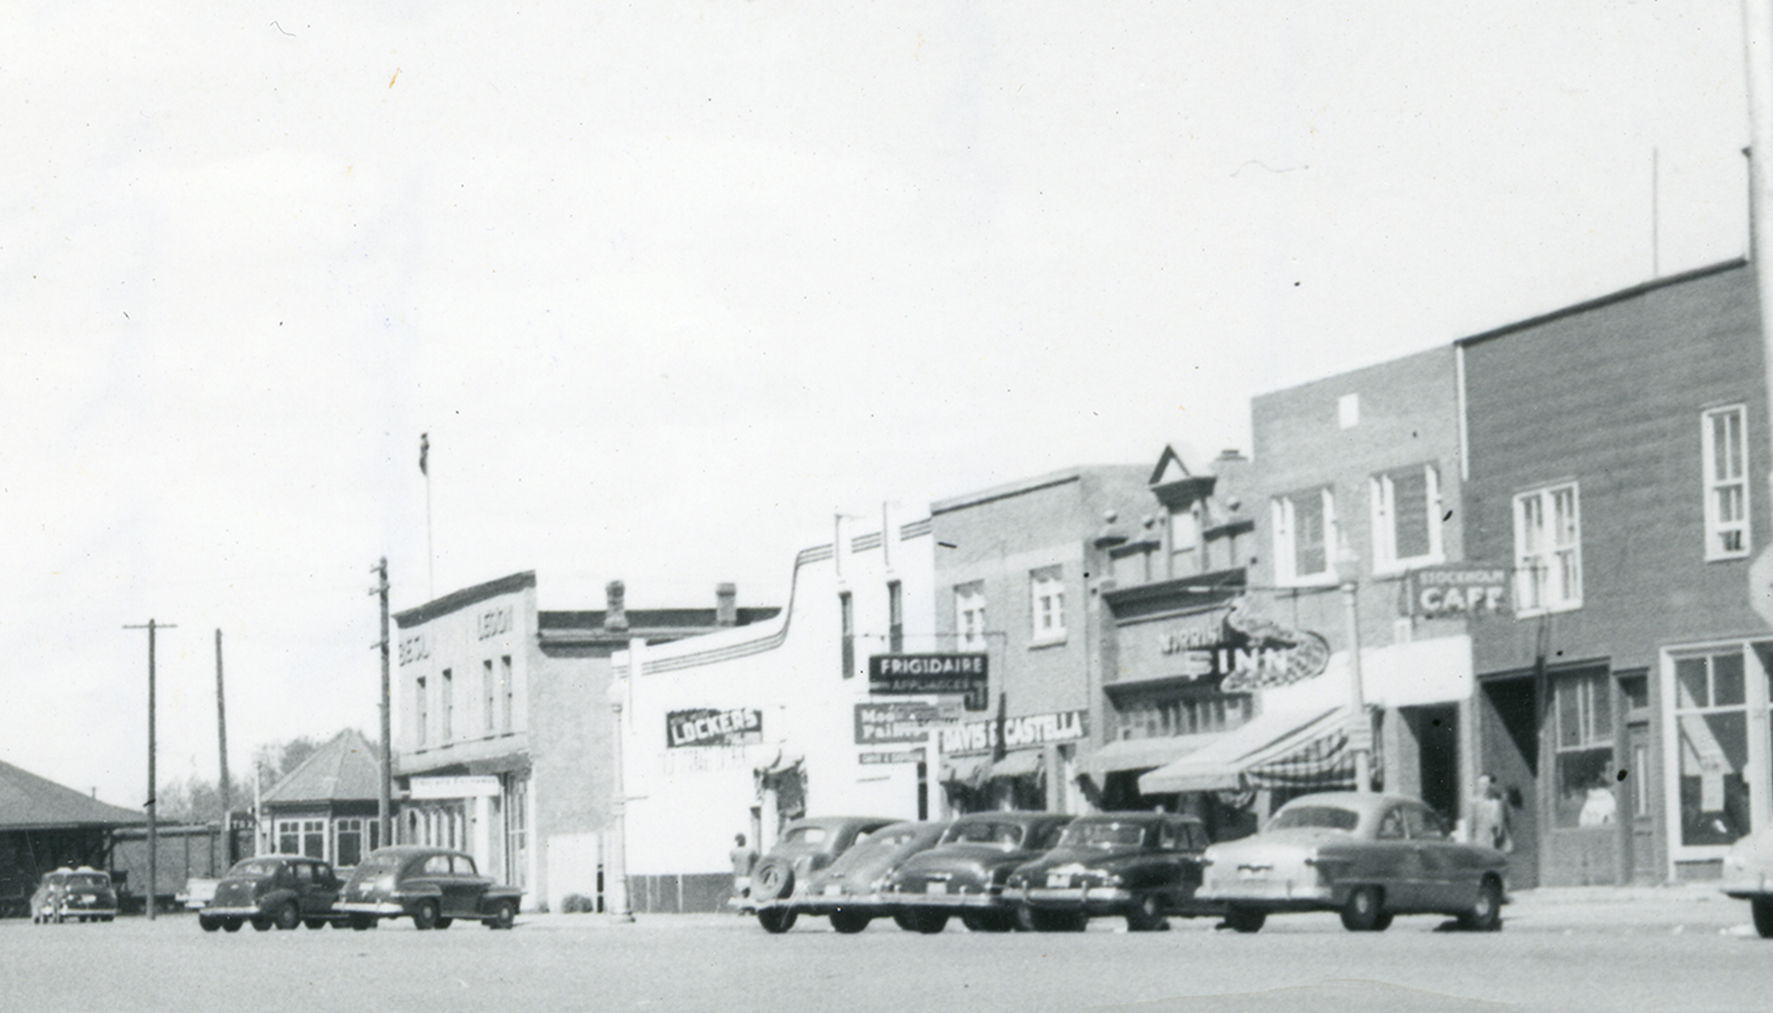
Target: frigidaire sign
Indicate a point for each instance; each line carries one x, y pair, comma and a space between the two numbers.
930, 675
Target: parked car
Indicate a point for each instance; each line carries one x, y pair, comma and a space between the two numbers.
1368, 856
1139, 866
964, 873
199, 891
1748, 875
805, 847
432, 886
848, 891
281, 890
84, 894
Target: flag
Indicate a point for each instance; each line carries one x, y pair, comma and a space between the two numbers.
424, 452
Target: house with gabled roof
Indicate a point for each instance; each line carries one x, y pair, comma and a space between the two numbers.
326, 807
44, 825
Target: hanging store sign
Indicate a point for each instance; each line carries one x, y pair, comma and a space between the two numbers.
930, 674
897, 721
1450, 592
898, 756
706, 726
466, 786
1242, 651
1028, 730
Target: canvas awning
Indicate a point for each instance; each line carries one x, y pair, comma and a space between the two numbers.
967, 770
1023, 763
1140, 754
1293, 749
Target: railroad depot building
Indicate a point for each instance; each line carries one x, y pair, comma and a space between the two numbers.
502, 738
1618, 460
740, 730
327, 807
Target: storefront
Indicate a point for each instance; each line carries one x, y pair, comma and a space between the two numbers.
1716, 757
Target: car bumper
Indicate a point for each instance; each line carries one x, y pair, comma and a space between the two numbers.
822, 904
363, 907
1279, 893
943, 900
215, 911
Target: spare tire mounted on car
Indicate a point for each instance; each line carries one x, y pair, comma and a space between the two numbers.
773, 880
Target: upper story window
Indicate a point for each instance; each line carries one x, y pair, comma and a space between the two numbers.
1185, 541
1407, 519
1726, 483
847, 607
969, 615
448, 705
421, 697
1046, 588
1548, 550
1304, 530
895, 617
490, 691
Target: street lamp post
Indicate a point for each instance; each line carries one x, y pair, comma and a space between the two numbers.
615, 864
1360, 728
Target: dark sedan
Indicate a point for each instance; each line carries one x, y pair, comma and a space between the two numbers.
1140, 866
281, 890
964, 873
1367, 856
432, 886
848, 892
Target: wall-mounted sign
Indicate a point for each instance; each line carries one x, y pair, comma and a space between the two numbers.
494, 621
899, 756
706, 726
1028, 730
1453, 591
895, 721
1240, 650
930, 674
467, 786
414, 648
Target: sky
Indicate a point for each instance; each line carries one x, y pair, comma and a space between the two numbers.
667, 285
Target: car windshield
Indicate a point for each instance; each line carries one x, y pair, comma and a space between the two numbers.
1093, 834
89, 881
1328, 817
984, 832
252, 868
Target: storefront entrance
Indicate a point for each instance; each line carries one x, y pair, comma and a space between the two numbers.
1509, 751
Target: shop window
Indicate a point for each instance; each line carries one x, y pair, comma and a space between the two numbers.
895, 617
1726, 483
1548, 550
1162, 718
969, 615
1711, 715
847, 614
1304, 531
1406, 519
1046, 592
1584, 728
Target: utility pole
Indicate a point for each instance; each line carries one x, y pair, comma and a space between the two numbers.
385, 803
221, 735
153, 824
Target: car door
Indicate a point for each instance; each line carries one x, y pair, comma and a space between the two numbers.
464, 889
320, 891
434, 873
1394, 862
1446, 883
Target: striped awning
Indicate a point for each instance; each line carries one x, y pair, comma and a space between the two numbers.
1281, 749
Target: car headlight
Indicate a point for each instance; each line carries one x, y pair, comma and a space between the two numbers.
1113, 879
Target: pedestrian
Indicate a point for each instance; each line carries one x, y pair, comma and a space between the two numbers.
1489, 816
744, 861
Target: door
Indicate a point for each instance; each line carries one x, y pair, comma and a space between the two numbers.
1394, 862
1641, 805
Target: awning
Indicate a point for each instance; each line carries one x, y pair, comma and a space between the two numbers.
1024, 763
967, 770
1140, 754
1294, 749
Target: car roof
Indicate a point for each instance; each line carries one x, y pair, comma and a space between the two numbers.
1362, 802
1137, 817
1011, 816
840, 821
405, 851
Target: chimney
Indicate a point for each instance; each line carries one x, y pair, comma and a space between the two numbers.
616, 619
726, 604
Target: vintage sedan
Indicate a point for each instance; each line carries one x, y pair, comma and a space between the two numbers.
848, 891
84, 894
964, 874
1368, 856
281, 890
1748, 875
805, 847
432, 886
1136, 865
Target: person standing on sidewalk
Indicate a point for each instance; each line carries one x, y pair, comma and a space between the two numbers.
744, 861
1489, 816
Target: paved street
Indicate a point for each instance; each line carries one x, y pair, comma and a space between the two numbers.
1673, 949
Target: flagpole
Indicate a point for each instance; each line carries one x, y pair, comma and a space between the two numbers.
430, 550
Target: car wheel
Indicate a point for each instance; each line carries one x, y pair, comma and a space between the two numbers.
231, 924
929, 922
773, 880
850, 922
444, 923
288, 916
905, 920
208, 924
1485, 915
504, 915
988, 921
1362, 913
1035, 919
260, 924
777, 920
1762, 907
1245, 919
359, 923
314, 923
426, 916
1147, 914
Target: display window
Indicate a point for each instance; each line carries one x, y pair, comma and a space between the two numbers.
1718, 751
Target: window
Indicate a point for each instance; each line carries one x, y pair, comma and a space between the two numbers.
289, 837
350, 841
1711, 716
1726, 484
1547, 550
969, 615
1584, 727
1046, 588
1185, 541
1304, 531
1423, 824
509, 687
490, 692
1407, 518
895, 617
436, 865
1163, 718
847, 607
423, 717
448, 707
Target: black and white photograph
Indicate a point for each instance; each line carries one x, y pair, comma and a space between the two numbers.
1236, 508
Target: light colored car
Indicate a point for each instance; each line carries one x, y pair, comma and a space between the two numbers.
1748, 875
84, 894
1367, 856
805, 847
848, 891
